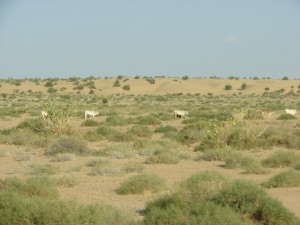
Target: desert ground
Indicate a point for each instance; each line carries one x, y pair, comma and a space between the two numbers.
24, 101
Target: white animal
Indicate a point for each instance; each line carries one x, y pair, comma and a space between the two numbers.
92, 114
44, 114
290, 111
180, 113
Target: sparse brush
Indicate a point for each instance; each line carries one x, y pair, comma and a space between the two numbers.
66, 181
68, 144
63, 157
118, 151
282, 159
138, 184
140, 131
289, 178
133, 167
43, 169
115, 120
163, 157
148, 120
90, 123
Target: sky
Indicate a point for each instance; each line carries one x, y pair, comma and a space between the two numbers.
172, 38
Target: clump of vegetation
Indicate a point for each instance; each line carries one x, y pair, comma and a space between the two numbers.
289, 178
115, 120
138, 184
282, 159
253, 203
90, 123
68, 144
148, 120
103, 167
140, 131
133, 167
58, 119
117, 151
163, 156
126, 87
19, 208
42, 169
228, 87
286, 117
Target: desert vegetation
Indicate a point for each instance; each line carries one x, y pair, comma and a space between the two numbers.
135, 163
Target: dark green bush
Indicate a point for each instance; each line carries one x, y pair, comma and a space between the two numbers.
163, 157
286, 117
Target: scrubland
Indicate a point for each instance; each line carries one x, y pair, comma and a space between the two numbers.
227, 162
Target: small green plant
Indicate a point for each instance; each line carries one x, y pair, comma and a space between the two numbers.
289, 178
243, 86
138, 184
126, 87
228, 87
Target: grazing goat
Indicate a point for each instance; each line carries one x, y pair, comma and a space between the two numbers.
92, 114
180, 113
44, 114
290, 111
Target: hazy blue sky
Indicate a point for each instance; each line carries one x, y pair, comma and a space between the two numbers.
201, 38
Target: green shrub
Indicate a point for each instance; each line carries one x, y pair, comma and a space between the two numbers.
117, 151
133, 167
42, 169
165, 129
90, 123
63, 157
286, 117
163, 157
68, 144
19, 209
148, 120
282, 159
41, 186
253, 203
66, 181
200, 187
115, 120
103, 167
289, 178
138, 184
126, 87
228, 87
215, 154
140, 131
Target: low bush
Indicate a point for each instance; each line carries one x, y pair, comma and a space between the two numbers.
286, 117
254, 203
282, 159
117, 151
140, 131
63, 157
148, 120
39, 186
138, 184
133, 167
289, 178
66, 181
42, 169
163, 157
68, 144
19, 209
90, 123
115, 120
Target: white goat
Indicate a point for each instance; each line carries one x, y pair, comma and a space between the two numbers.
290, 111
44, 114
180, 113
92, 114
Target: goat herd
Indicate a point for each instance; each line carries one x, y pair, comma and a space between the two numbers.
177, 113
